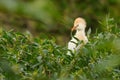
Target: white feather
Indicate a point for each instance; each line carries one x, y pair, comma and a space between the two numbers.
73, 44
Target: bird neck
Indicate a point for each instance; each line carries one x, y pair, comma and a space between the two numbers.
80, 34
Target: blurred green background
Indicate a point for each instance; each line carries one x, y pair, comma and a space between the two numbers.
54, 18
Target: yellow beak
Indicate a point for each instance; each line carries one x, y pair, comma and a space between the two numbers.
73, 28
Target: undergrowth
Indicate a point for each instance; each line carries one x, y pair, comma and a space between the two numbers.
25, 58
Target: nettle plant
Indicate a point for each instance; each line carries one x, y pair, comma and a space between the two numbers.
26, 58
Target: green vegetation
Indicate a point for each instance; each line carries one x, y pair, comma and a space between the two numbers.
53, 17
25, 58
34, 35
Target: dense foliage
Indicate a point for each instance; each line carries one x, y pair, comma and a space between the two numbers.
25, 58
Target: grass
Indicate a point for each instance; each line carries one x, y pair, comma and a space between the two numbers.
25, 58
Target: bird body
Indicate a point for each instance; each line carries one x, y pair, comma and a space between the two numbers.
73, 44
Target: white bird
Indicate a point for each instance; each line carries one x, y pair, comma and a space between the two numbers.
73, 44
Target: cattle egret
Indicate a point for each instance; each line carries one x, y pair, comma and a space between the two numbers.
73, 44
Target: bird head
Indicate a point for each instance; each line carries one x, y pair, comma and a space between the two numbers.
79, 24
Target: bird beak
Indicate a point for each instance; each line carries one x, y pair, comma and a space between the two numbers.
73, 28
